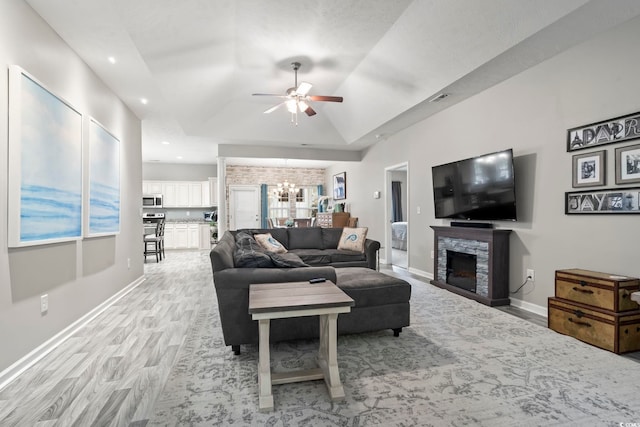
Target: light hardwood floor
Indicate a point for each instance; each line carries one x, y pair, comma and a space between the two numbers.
112, 371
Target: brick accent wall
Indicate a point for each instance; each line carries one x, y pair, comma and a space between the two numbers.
256, 175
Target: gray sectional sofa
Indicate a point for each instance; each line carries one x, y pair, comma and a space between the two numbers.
381, 301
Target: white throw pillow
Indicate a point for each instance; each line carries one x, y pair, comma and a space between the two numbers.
353, 239
269, 243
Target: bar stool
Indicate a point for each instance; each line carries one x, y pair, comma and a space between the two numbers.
154, 243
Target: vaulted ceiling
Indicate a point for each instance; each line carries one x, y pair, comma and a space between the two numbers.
197, 62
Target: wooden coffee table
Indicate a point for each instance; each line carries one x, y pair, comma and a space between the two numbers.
296, 299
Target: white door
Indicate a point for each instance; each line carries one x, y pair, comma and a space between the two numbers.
244, 206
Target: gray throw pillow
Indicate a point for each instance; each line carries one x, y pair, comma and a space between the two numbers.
287, 260
249, 253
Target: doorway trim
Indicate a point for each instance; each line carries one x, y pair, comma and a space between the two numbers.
387, 210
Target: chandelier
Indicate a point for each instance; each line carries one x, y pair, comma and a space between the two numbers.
284, 188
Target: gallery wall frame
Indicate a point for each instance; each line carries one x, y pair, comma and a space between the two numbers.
619, 129
628, 164
45, 180
589, 170
104, 182
340, 186
603, 201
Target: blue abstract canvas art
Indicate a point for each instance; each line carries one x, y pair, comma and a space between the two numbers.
45, 165
104, 181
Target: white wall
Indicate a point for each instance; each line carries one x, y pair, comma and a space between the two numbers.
530, 112
77, 276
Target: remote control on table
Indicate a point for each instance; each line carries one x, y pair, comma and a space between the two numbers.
317, 280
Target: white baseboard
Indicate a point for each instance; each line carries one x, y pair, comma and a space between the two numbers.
527, 306
13, 371
421, 273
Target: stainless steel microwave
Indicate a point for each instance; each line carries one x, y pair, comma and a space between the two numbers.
152, 201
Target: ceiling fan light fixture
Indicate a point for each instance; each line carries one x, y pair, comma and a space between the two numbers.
291, 106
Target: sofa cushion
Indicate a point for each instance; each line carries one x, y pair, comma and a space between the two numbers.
249, 253
269, 243
339, 255
353, 239
305, 238
331, 237
287, 260
370, 288
313, 256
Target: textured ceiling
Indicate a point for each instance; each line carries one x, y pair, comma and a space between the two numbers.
199, 61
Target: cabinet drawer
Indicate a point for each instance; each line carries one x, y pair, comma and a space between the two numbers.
606, 291
616, 332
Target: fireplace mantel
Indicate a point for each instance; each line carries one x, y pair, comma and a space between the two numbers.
491, 248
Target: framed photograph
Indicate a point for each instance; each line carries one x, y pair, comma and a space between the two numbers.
623, 128
45, 164
628, 164
104, 182
340, 186
606, 201
589, 169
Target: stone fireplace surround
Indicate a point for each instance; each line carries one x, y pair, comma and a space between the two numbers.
491, 248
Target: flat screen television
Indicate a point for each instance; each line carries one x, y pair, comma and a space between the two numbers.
478, 188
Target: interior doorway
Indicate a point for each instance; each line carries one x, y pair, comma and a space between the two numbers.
244, 206
397, 215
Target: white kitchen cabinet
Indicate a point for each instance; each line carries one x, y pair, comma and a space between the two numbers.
182, 194
182, 235
195, 194
193, 236
213, 191
205, 236
206, 196
151, 187
169, 235
169, 195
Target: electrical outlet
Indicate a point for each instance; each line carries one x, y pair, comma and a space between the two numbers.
44, 303
129, 263
418, 210
432, 255
531, 275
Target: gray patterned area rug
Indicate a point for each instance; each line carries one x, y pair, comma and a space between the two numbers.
460, 363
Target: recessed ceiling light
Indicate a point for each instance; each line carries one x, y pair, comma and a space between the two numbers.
179, 157
112, 59
165, 142
144, 101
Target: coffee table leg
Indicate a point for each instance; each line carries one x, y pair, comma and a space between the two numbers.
264, 367
328, 355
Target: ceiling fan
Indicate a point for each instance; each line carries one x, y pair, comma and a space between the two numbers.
297, 98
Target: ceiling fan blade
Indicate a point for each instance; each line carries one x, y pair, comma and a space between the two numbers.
304, 88
310, 111
269, 94
274, 108
325, 98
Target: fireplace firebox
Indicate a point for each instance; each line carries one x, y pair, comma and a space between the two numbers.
461, 270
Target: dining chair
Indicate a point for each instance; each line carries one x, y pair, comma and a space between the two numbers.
153, 243
353, 221
270, 223
302, 222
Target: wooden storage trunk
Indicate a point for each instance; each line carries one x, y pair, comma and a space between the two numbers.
616, 332
607, 291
